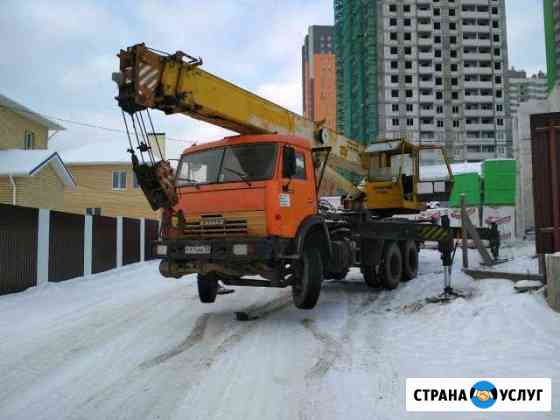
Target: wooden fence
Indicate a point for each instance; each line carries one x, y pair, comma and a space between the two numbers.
38, 245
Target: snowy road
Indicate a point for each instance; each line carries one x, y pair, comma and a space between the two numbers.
132, 345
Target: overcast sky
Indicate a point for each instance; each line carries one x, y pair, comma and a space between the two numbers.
57, 56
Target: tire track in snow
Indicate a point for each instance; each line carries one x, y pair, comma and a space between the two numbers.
196, 335
331, 352
260, 311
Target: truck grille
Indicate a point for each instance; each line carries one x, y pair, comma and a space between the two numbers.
215, 227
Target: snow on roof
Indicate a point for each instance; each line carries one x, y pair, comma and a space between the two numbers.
17, 162
101, 153
440, 171
25, 112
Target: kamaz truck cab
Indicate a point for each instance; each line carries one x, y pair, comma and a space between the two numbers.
247, 205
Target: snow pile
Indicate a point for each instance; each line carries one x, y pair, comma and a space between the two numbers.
131, 344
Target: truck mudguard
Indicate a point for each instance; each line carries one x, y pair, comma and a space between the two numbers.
311, 224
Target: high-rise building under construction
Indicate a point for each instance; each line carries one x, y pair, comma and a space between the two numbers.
319, 76
433, 71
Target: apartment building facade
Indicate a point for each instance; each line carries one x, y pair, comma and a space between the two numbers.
439, 73
319, 76
523, 88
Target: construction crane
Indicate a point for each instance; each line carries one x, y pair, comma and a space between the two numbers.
176, 83
249, 204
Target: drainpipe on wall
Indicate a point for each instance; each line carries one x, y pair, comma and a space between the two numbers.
14, 190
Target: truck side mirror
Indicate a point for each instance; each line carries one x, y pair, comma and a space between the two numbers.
288, 162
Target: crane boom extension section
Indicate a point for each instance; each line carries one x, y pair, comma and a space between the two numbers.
176, 84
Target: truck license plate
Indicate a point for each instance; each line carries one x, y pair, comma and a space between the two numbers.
197, 249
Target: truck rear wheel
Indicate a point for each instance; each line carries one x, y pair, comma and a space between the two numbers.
207, 287
391, 268
308, 280
410, 260
370, 276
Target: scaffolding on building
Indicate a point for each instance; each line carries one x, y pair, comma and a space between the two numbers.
356, 69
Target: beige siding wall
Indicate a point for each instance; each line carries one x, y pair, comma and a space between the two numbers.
5, 190
12, 131
44, 190
95, 189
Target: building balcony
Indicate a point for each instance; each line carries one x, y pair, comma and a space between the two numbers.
427, 127
427, 98
426, 69
425, 42
480, 127
474, 15
477, 56
424, 27
427, 112
478, 85
477, 42
424, 13
426, 84
478, 98
426, 56
478, 113
478, 70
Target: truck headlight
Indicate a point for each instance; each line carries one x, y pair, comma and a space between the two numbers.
161, 250
240, 249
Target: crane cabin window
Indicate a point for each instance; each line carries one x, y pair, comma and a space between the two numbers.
246, 162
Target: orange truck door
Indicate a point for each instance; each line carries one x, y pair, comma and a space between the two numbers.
299, 200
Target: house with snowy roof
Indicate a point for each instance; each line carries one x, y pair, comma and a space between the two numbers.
30, 174
106, 184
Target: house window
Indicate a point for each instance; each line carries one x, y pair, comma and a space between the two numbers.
119, 180
395, 122
135, 183
93, 211
29, 140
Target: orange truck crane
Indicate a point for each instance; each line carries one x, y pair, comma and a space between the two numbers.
249, 205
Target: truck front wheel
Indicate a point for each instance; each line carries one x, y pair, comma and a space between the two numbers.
392, 266
207, 287
308, 279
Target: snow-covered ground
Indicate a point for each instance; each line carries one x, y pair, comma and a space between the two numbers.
133, 345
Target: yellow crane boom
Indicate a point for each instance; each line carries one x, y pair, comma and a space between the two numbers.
176, 84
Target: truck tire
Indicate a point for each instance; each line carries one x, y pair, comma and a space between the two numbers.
308, 281
370, 276
207, 287
339, 276
391, 268
410, 260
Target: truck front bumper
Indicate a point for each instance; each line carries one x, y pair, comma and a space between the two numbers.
221, 250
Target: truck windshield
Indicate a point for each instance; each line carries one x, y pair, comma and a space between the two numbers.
248, 162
